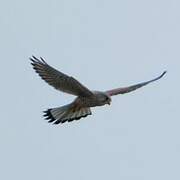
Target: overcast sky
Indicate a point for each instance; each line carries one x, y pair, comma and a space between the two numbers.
104, 44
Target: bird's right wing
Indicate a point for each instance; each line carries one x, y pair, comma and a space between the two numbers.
128, 89
58, 79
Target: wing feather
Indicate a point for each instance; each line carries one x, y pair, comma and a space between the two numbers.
128, 89
59, 80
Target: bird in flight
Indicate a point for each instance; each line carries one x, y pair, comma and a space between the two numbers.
85, 98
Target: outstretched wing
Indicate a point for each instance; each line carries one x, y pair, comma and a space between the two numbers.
59, 80
132, 88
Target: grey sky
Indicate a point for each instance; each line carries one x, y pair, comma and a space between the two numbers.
104, 44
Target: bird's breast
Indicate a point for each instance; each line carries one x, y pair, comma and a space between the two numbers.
87, 101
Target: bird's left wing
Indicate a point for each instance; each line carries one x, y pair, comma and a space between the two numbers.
58, 79
128, 89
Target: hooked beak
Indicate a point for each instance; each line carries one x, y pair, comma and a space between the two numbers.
109, 103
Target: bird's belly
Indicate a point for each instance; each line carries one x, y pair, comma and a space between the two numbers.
87, 102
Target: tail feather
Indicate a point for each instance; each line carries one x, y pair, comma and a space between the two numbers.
66, 113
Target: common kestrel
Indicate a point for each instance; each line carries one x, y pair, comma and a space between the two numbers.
85, 99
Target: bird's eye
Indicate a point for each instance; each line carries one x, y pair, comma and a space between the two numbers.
106, 99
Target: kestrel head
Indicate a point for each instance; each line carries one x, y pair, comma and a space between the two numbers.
103, 98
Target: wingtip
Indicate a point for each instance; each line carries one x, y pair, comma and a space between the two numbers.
34, 59
163, 74
31, 59
42, 59
48, 116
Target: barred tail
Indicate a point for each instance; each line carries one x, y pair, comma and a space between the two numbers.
66, 113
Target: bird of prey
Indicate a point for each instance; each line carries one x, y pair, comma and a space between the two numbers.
85, 98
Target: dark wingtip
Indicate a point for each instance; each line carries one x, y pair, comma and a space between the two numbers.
43, 60
48, 116
31, 59
34, 59
162, 74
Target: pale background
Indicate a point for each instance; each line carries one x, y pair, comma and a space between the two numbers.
104, 44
